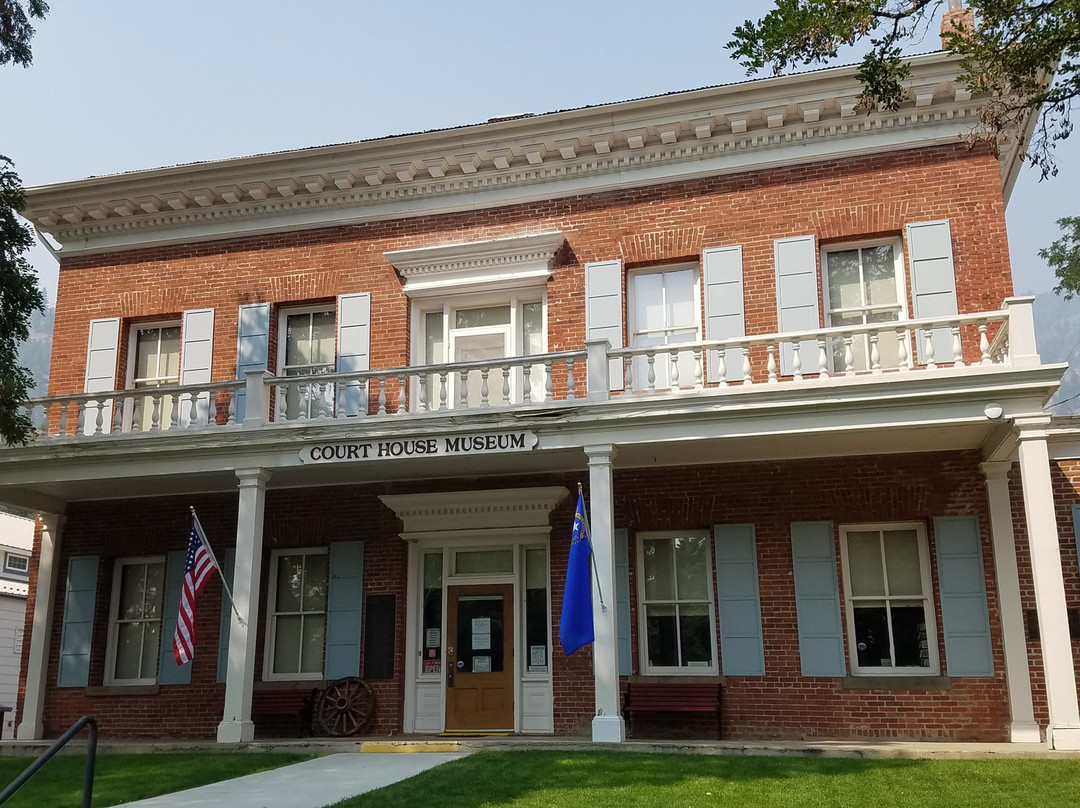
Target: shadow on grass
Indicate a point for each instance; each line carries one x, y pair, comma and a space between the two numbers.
553, 779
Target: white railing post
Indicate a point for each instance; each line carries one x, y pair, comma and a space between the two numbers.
1023, 350
597, 370
256, 400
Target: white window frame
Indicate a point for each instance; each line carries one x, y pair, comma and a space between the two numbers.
515, 300
114, 622
283, 319
15, 569
642, 617
662, 363
934, 668
165, 413
899, 273
268, 673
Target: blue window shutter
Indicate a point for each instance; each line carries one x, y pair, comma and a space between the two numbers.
1076, 528
622, 601
227, 559
102, 351
797, 298
742, 650
196, 357
343, 609
933, 281
169, 673
353, 349
962, 586
252, 345
725, 316
604, 310
77, 634
817, 599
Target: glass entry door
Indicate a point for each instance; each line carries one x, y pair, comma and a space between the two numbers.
479, 656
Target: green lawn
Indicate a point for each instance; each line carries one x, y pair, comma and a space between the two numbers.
124, 778
551, 779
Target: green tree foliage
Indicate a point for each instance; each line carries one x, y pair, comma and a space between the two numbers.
20, 294
1022, 56
1063, 256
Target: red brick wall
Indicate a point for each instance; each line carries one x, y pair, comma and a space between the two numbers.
770, 495
836, 200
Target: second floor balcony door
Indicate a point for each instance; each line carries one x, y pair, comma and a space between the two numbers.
157, 364
664, 311
309, 350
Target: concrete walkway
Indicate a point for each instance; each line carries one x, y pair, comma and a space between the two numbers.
311, 784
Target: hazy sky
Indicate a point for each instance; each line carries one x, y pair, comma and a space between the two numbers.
118, 86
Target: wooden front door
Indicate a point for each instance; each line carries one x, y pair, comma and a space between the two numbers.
480, 658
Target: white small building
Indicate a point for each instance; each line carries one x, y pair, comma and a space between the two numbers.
16, 542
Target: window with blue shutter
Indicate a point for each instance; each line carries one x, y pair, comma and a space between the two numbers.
169, 673
604, 310
722, 272
343, 609
77, 633
817, 599
252, 346
742, 650
965, 617
797, 298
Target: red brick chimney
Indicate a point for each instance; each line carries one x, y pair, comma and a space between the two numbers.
955, 16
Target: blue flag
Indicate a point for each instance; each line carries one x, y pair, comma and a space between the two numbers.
576, 623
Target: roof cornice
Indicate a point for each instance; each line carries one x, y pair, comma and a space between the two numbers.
707, 132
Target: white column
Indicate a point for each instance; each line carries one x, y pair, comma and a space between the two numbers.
1022, 727
236, 725
31, 727
607, 725
1064, 729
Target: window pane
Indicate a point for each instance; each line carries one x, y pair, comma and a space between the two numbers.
128, 650
311, 660
872, 635
879, 271
909, 635
477, 347
154, 592
323, 337
659, 569
536, 610
434, 339
287, 643
432, 570
648, 302
169, 363
132, 586
151, 642
297, 339
902, 562
290, 573
660, 630
483, 562
476, 318
315, 577
845, 287
146, 340
864, 563
532, 329
692, 566
680, 299
697, 640
432, 613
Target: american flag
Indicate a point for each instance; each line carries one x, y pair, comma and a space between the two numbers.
200, 566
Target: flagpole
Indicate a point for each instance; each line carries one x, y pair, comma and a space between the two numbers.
217, 566
596, 573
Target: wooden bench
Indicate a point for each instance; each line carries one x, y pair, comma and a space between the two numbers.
298, 703
671, 697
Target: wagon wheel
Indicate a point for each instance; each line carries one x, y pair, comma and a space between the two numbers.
345, 706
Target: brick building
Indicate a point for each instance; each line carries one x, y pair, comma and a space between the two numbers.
772, 337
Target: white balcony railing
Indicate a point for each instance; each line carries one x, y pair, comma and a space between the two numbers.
1004, 338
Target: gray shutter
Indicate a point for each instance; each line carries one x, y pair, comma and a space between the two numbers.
228, 559
169, 673
817, 599
77, 634
742, 650
725, 316
102, 350
252, 346
933, 281
622, 601
353, 349
797, 298
962, 587
604, 310
343, 609
196, 356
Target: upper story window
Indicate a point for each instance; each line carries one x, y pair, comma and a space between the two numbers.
135, 621
889, 610
676, 602
864, 284
307, 340
16, 564
664, 309
156, 348
296, 631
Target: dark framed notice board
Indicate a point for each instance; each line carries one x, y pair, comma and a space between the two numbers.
379, 637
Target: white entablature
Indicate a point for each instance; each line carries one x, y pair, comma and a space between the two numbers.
708, 132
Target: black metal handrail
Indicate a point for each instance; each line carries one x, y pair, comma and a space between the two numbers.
91, 755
